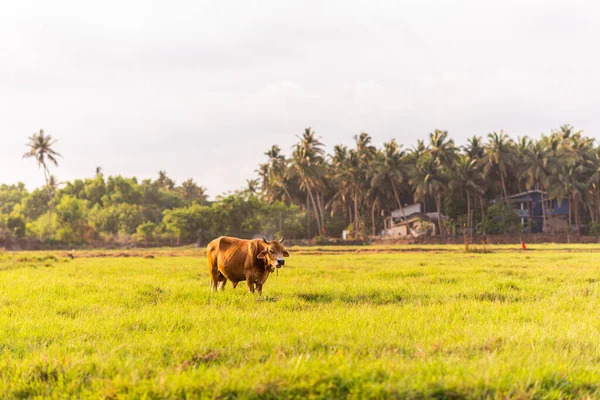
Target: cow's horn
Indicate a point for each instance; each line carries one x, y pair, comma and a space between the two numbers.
282, 239
265, 240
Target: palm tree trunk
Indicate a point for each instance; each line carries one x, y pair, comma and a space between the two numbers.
591, 208
569, 222
312, 199
356, 218
307, 216
543, 208
349, 214
504, 187
319, 203
548, 212
401, 208
597, 197
469, 215
577, 216
471, 224
482, 209
483, 220
51, 197
373, 216
398, 200
438, 205
287, 193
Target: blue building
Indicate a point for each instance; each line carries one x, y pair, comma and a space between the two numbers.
528, 206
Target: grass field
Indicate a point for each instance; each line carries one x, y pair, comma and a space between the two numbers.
336, 323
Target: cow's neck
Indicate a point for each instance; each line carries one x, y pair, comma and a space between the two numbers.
266, 266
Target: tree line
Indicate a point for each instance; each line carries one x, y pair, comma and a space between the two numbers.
355, 186
123, 209
310, 193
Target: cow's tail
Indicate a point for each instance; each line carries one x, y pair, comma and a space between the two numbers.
213, 269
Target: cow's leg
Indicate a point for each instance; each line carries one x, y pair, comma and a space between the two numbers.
214, 274
234, 284
222, 282
261, 281
250, 285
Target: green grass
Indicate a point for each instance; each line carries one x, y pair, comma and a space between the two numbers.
398, 323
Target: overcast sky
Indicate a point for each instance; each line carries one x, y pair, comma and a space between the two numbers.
202, 88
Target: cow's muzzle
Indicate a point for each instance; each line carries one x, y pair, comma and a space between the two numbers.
280, 263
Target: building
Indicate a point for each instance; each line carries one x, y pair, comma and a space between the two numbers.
528, 206
410, 221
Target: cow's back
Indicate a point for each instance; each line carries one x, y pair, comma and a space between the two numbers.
229, 255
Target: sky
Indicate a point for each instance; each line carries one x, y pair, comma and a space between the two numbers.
201, 89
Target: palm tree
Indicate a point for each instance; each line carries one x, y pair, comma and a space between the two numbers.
391, 169
377, 195
53, 184
352, 172
307, 161
276, 173
537, 166
475, 148
348, 173
192, 192
570, 182
577, 152
364, 149
340, 201
428, 180
441, 148
365, 154
467, 176
499, 154
559, 186
41, 148
252, 186
265, 180
520, 152
164, 182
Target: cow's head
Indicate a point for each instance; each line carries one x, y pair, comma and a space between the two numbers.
273, 253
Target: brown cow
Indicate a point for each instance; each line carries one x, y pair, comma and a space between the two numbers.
243, 260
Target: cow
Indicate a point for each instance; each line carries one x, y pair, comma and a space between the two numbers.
239, 260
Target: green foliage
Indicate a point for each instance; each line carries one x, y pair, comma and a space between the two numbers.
36, 204
145, 231
10, 196
190, 224
311, 193
595, 229
122, 190
71, 214
122, 217
280, 218
233, 215
40, 227
502, 218
16, 222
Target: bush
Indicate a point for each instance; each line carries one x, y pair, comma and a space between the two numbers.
595, 229
319, 241
145, 232
500, 218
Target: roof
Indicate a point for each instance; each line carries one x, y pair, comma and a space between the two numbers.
431, 217
514, 196
407, 211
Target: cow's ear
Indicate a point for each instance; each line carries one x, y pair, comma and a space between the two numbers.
262, 255
286, 254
